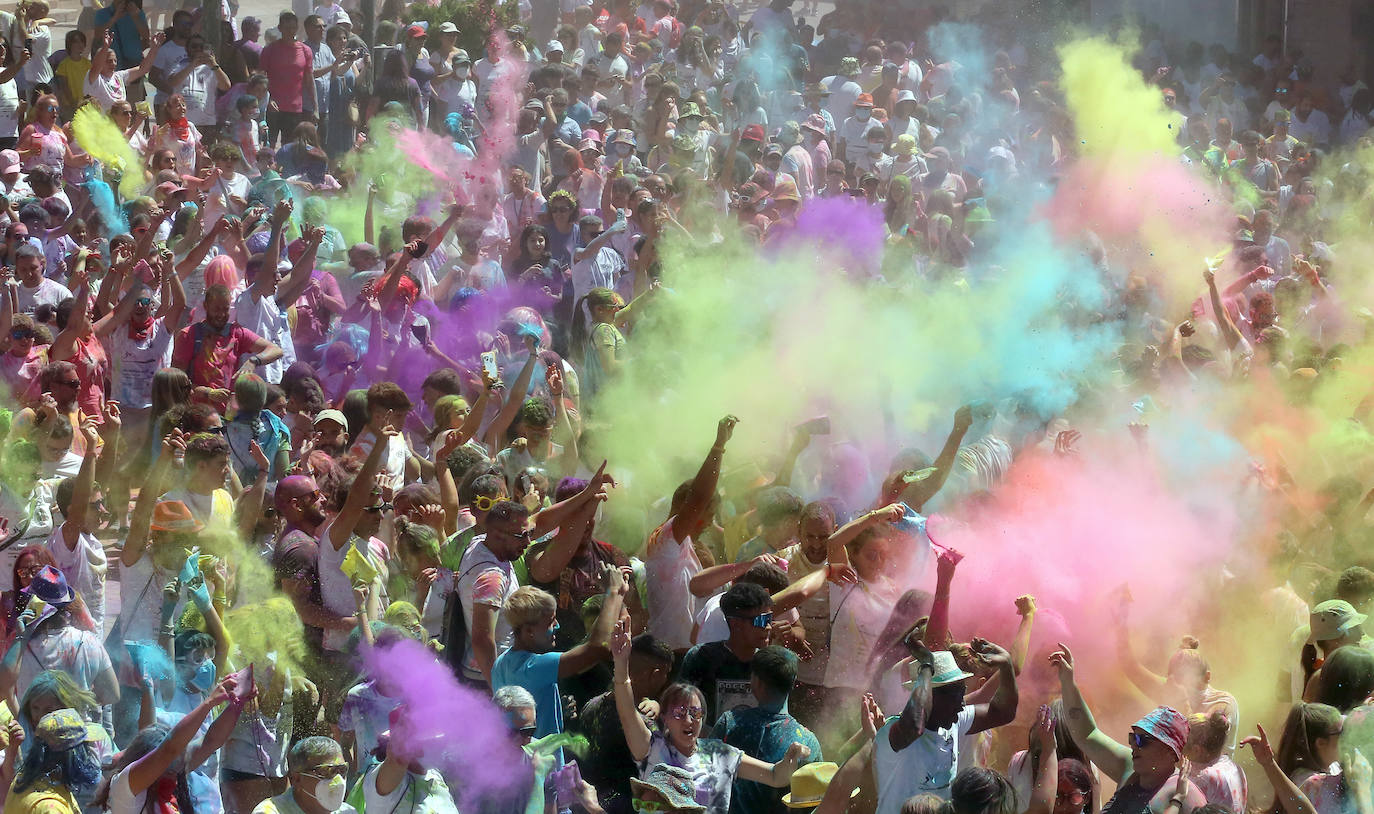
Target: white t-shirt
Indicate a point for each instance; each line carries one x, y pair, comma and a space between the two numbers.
483, 579
85, 568
104, 91
432, 616
417, 794
928, 765
201, 91
217, 197
858, 614
140, 596
336, 589
168, 60
264, 317
9, 110
669, 565
135, 363
47, 292
71, 650
37, 69
392, 474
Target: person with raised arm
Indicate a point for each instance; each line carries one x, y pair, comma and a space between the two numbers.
671, 557
1143, 771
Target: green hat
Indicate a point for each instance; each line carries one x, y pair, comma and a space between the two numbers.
674, 784
849, 66
1282, 116
684, 142
688, 108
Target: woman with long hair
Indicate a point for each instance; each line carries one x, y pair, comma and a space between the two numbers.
59, 766
676, 739
603, 346
180, 136
394, 85
45, 142
152, 770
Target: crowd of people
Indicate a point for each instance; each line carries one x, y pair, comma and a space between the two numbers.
322, 337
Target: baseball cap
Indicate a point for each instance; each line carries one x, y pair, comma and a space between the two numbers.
448, 28
554, 47
753, 132
461, 57
864, 100
9, 161
330, 415
416, 30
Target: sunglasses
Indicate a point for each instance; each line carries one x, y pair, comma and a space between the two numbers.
220, 430
560, 209
1072, 796
687, 713
527, 731
483, 503
1139, 740
763, 620
144, 301
379, 508
21, 335
70, 383
329, 772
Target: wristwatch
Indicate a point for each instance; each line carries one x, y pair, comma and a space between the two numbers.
256, 360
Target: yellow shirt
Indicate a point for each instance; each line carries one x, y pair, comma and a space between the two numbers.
73, 73
41, 797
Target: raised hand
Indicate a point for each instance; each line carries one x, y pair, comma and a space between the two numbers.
1025, 605
1062, 660
725, 429
1259, 744
1042, 731
620, 643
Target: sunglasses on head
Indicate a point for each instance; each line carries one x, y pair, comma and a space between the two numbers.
761, 621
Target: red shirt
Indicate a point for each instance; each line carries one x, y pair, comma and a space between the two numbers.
288, 66
219, 353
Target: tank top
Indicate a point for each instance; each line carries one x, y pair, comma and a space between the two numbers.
1131, 798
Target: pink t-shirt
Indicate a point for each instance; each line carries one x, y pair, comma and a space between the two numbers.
220, 353
288, 68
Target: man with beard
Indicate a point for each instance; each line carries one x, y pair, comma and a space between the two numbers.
216, 351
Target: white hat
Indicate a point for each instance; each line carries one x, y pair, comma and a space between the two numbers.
342, 18
947, 671
553, 46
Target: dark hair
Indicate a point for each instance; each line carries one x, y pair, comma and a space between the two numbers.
767, 575
1355, 585
204, 447
976, 790
743, 597
78, 769
1346, 678
1208, 732
507, 510
651, 648
776, 668
445, 380
462, 460
1304, 725
675, 693
776, 504
1076, 772
387, 395
189, 640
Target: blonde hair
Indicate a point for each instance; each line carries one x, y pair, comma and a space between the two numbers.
528, 605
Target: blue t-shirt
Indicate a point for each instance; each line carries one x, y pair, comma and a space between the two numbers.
538, 673
127, 45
